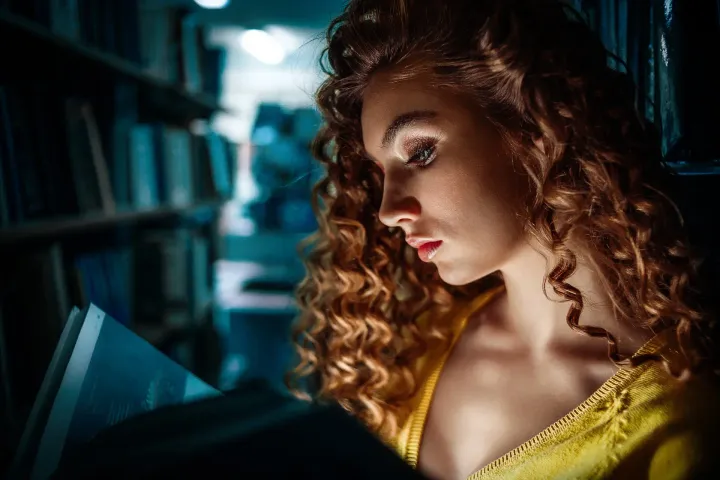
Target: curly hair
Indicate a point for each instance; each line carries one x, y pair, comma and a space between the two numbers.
596, 173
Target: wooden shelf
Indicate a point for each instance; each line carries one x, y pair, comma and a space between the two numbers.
56, 229
156, 94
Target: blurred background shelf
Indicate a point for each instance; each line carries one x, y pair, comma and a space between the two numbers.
56, 229
113, 181
78, 59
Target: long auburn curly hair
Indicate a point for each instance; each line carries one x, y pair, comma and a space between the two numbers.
596, 173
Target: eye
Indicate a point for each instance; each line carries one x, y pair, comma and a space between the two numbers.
422, 155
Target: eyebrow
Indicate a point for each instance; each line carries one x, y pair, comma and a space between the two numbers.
403, 121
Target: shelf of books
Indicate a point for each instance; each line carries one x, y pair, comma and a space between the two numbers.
160, 50
107, 195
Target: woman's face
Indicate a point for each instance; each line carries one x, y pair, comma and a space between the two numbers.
447, 177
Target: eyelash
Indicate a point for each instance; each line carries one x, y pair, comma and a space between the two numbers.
414, 162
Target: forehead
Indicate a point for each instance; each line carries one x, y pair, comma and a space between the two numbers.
385, 98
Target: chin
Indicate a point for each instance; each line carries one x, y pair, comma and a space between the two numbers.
456, 275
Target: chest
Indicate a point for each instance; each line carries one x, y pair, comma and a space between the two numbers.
486, 405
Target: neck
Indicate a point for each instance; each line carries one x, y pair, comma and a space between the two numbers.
539, 324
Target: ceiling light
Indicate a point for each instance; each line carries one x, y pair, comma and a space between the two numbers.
289, 40
213, 4
262, 46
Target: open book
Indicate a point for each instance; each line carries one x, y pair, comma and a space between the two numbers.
113, 407
101, 374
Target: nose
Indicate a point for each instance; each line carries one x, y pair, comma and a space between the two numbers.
397, 207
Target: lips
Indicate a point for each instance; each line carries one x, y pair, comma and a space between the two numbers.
428, 250
427, 247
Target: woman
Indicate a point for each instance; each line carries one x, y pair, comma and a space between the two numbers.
498, 287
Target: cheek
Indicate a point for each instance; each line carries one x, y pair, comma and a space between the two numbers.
493, 210
487, 200
448, 194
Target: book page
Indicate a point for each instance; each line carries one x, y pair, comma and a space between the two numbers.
112, 375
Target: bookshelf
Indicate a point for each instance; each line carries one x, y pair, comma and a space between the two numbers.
159, 94
52, 230
107, 195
